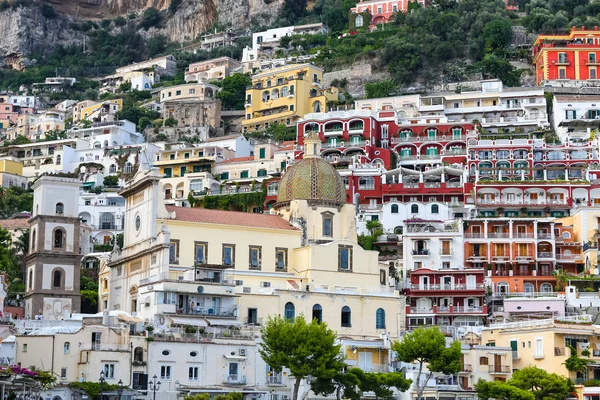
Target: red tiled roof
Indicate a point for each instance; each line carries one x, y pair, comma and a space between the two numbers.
577, 97
237, 159
236, 218
15, 223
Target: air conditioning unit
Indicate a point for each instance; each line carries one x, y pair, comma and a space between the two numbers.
242, 352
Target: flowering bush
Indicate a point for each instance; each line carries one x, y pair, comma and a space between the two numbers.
17, 370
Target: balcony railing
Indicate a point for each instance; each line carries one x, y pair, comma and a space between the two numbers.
499, 369
526, 294
569, 257
545, 254
466, 368
274, 379
447, 287
234, 379
420, 252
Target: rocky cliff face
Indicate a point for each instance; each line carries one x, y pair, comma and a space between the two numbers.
26, 31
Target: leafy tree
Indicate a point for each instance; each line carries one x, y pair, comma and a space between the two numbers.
343, 384
427, 346
497, 390
110, 180
20, 140
151, 18
197, 396
383, 88
56, 135
574, 363
48, 11
233, 91
157, 45
525, 384
14, 200
293, 10
304, 348
120, 21
170, 122
493, 66
497, 35
381, 383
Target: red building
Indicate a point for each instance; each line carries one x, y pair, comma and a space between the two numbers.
381, 11
570, 58
446, 297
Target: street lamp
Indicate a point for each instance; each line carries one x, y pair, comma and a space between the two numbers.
102, 380
154, 386
120, 388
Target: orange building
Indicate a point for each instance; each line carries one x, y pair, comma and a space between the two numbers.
567, 59
521, 254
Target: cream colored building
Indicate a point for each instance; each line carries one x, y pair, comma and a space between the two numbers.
217, 268
189, 91
586, 224
545, 343
75, 354
216, 69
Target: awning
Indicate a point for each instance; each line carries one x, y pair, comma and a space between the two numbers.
223, 322
189, 321
230, 357
88, 184
129, 318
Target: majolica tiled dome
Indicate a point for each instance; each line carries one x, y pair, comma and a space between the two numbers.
312, 179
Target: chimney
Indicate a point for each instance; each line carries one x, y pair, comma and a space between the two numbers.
596, 27
583, 27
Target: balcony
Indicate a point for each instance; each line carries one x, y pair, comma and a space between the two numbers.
569, 257
274, 380
466, 368
499, 369
423, 139
545, 254
562, 61
420, 252
335, 131
526, 294
476, 235
418, 287
498, 235
234, 379
476, 257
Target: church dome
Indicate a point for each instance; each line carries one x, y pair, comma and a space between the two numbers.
312, 179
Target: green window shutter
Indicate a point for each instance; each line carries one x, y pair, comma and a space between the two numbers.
262, 152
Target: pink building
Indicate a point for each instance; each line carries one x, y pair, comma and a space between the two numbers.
382, 11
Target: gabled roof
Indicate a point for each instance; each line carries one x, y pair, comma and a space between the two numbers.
234, 218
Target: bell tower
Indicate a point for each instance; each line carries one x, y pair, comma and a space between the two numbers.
53, 264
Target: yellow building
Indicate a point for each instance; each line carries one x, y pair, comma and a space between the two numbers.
546, 344
285, 94
10, 166
11, 173
586, 224
94, 111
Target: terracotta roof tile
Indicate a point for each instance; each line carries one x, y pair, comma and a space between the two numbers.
237, 159
577, 98
236, 218
14, 224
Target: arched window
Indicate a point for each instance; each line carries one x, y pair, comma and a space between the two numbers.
346, 317
317, 106
106, 143
56, 279
528, 287
290, 311
566, 235
435, 209
33, 239
358, 21
546, 288
128, 168
60, 208
138, 354
317, 313
380, 319
66, 347
97, 145
112, 169
502, 288
414, 209
394, 208
59, 239
30, 279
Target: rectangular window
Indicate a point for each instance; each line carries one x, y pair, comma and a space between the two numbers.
109, 371
244, 174
483, 361
228, 254
182, 171
200, 252
262, 152
262, 172
328, 225
174, 252
224, 176
168, 172
344, 258
446, 251
24, 347
178, 93
255, 257
539, 348
165, 372
192, 91
382, 277
193, 373
562, 73
63, 373
186, 155
593, 73
281, 257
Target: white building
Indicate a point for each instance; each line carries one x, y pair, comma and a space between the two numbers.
21, 100
574, 117
103, 213
269, 39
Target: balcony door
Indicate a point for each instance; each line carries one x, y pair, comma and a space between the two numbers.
424, 282
365, 361
471, 282
497, 363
